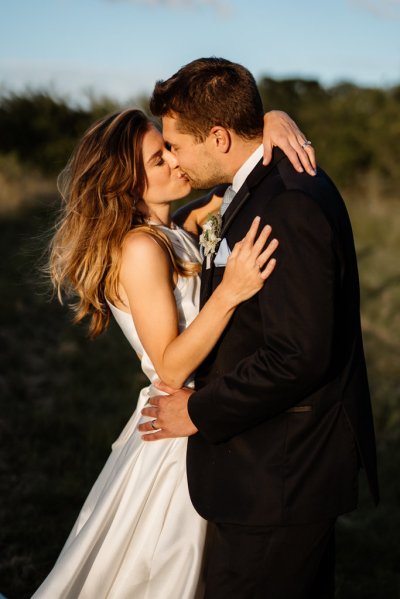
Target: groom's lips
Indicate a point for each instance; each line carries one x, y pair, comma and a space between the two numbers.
183, 176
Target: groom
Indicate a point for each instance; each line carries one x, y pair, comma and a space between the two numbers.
280, 421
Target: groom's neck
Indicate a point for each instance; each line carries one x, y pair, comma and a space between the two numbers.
241, 150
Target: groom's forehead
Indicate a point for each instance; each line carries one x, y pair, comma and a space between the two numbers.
169, 124
171, 130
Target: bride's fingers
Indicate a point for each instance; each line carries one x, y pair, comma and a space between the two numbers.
268, 149
249, 238
261, 240
307, 157
292, 154
302, 157
236, 249
267, 253
306, 153
311, 157
251, 248
264, 274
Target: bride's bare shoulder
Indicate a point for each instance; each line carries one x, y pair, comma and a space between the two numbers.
141, 250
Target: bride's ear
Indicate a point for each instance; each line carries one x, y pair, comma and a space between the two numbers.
220, 138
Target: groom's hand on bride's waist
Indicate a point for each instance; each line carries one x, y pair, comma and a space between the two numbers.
169, 415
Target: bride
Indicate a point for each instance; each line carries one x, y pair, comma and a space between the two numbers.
117, 251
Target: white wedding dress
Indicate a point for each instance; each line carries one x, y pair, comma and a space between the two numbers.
138, 535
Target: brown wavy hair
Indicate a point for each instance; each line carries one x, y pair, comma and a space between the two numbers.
101, 187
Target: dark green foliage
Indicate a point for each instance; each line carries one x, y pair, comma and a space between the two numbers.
368, 548
42, 129
291, 95
354, 130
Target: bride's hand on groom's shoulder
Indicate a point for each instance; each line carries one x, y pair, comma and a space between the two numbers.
169, 413
281, 131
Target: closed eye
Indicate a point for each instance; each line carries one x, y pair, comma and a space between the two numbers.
156, 159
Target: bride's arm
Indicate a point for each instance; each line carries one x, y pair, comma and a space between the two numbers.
281, 131
192, 215
147, 280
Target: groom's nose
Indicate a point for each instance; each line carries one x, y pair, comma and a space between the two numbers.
171, 159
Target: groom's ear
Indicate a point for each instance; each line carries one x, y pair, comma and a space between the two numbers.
220, 138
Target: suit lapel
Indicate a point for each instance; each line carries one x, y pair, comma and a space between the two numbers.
258, 173
234, 207
206, 282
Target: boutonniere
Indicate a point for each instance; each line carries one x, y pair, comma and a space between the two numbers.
210, 236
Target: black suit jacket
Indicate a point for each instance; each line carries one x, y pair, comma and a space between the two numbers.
282, 403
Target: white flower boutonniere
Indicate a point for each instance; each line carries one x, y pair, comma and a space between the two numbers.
210, 236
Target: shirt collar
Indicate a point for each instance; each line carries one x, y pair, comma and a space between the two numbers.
246, 168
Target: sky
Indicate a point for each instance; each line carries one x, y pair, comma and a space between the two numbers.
119, 48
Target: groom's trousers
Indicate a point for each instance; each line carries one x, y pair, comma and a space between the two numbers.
288, 562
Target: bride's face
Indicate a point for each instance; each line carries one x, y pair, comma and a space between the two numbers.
165, 181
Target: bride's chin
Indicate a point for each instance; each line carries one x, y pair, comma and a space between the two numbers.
187, 188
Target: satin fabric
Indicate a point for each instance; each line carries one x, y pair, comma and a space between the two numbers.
138, 535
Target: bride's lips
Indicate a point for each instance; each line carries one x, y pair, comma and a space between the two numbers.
183, 176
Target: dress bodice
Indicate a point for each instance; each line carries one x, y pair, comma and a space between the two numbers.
186, 292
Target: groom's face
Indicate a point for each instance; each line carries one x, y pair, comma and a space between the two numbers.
197, 160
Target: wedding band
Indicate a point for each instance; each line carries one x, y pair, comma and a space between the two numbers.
153, 425
306, 143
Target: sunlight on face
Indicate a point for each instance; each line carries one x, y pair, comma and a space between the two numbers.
196, 159
165, 180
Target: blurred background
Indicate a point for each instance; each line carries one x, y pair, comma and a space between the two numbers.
335, 68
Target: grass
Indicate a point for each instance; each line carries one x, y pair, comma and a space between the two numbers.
376, 227
63, 402
64, 399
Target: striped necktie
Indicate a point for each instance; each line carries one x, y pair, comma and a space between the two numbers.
227, 199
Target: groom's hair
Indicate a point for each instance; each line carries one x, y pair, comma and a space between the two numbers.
208, 92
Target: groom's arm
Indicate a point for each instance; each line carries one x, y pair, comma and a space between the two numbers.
190, 215
298, 320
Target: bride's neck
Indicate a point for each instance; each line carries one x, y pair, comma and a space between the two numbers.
159, 214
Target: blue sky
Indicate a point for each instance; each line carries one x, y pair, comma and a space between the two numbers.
120, 47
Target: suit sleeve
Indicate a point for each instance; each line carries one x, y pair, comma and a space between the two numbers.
297, 319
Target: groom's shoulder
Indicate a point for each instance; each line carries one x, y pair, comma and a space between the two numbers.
319, 184
282, 189
281, 179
